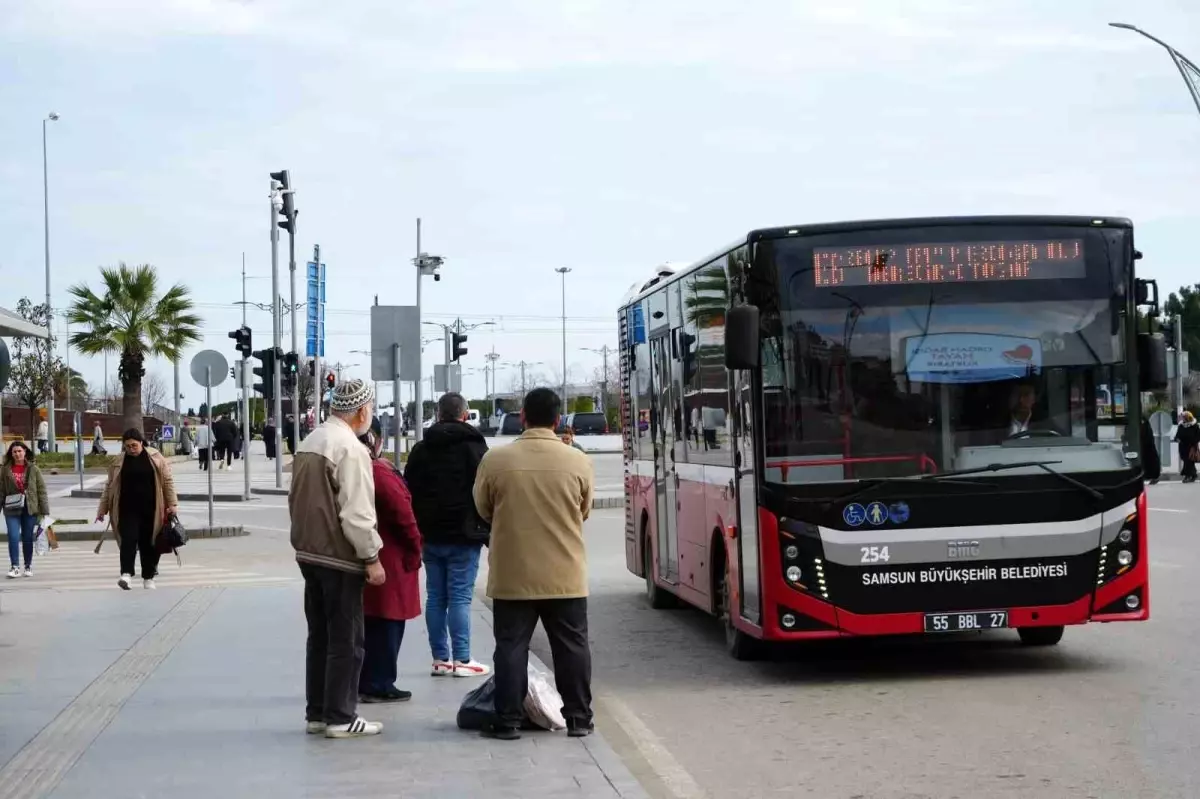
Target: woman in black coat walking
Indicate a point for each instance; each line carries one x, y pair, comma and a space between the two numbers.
1188, 438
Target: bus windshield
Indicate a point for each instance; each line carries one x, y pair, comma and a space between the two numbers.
888, 360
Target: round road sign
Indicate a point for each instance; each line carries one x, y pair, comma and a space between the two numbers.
209, 368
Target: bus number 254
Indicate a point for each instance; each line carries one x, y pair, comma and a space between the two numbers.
875, 554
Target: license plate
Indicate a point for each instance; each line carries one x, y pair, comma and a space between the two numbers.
965, 622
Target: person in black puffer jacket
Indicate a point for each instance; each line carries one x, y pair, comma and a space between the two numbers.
441, 475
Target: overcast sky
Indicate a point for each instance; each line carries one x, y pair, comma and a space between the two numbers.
604, 135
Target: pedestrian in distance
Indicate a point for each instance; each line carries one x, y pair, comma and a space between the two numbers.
537, 494
43, 435
1151, 463
568, 438
224, 436
204, 444
98, 440
441, 473
289, 433
140, 495
334, 533
268, 434
387, 607
1187, 436
25, 501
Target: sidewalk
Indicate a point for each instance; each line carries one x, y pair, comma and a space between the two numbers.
200, 694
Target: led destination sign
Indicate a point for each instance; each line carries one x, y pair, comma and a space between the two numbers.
950, 262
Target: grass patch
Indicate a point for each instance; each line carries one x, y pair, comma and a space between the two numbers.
66, 460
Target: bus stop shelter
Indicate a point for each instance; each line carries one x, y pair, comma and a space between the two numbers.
13, 325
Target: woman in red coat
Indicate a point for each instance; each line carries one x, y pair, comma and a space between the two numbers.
386, 607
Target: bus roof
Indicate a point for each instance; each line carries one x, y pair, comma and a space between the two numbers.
676, 270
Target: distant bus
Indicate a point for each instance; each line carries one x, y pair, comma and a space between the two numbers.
871, 428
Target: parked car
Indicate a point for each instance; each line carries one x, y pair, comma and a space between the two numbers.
587, 424
510, 425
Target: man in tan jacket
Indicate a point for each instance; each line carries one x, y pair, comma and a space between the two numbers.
537, 493
336, 537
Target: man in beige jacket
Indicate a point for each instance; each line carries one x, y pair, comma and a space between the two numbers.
336, 537
537, 493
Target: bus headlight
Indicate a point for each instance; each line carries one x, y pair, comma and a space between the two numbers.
793, 574
1125, 536
1132, 602
1124, 557
789, 621
791, 552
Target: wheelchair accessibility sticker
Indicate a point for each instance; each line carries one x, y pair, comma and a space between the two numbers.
854, 514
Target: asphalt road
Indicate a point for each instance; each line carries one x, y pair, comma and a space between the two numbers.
1111, 711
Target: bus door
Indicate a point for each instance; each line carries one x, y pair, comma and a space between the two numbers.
747, 497
665, 478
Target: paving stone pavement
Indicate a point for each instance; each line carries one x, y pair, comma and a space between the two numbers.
220, 713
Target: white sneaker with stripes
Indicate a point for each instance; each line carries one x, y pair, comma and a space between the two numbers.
358, 728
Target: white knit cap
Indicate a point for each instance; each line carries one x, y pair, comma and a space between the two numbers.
351, 395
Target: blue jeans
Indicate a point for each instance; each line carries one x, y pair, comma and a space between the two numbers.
450, 571
20, 536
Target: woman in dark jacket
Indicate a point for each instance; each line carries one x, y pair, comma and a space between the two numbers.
1188, 438
387, 607
140, 495
25, 500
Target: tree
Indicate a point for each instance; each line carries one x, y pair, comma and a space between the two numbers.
70, 381
154, 390
1186, 304
33, 362
204, 410
190, 412
132, 320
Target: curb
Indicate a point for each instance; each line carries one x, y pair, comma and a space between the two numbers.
270, 491
226, 531
608, 502
92, 493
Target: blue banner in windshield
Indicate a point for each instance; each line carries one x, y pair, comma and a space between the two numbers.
971, 357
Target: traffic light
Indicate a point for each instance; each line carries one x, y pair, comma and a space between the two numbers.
288, 211
242, 337
457, 350
312, 368
266, 372
291, 371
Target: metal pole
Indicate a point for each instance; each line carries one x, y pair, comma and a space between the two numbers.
317, 377
244, 288
49, 309
211, 461
177, 415
396, 396
246, 383
296, 383
276, 328
419, 411
1178, 367
562, 270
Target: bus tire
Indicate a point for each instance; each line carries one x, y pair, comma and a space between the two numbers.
658, 598
1040, 636
738, 644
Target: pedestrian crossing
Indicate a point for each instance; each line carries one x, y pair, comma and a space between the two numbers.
76, 567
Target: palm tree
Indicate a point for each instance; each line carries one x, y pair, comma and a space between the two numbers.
133, 321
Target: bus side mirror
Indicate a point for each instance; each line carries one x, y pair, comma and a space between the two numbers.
1146, 294
1152, 361
741, 337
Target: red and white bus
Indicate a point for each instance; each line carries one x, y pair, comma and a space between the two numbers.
891, 427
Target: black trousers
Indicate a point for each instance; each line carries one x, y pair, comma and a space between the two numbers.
333, 605
382, 644
204, 455
565, 623
137, 537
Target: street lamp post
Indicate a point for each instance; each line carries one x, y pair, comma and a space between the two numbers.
53, 442
1189, 71
426, 265
563, 270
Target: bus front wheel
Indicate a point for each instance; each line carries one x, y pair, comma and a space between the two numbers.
739, 645
1040, 636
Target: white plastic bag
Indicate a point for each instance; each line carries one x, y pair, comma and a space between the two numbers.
543, 705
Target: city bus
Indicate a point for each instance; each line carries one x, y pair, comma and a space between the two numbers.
893, 427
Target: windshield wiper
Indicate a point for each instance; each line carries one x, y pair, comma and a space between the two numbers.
1043, 465
948, 477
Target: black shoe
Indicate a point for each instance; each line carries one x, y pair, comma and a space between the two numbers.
391, 695
500, 733
578, 729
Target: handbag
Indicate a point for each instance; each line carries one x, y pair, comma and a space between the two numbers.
173, 535
14, 503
